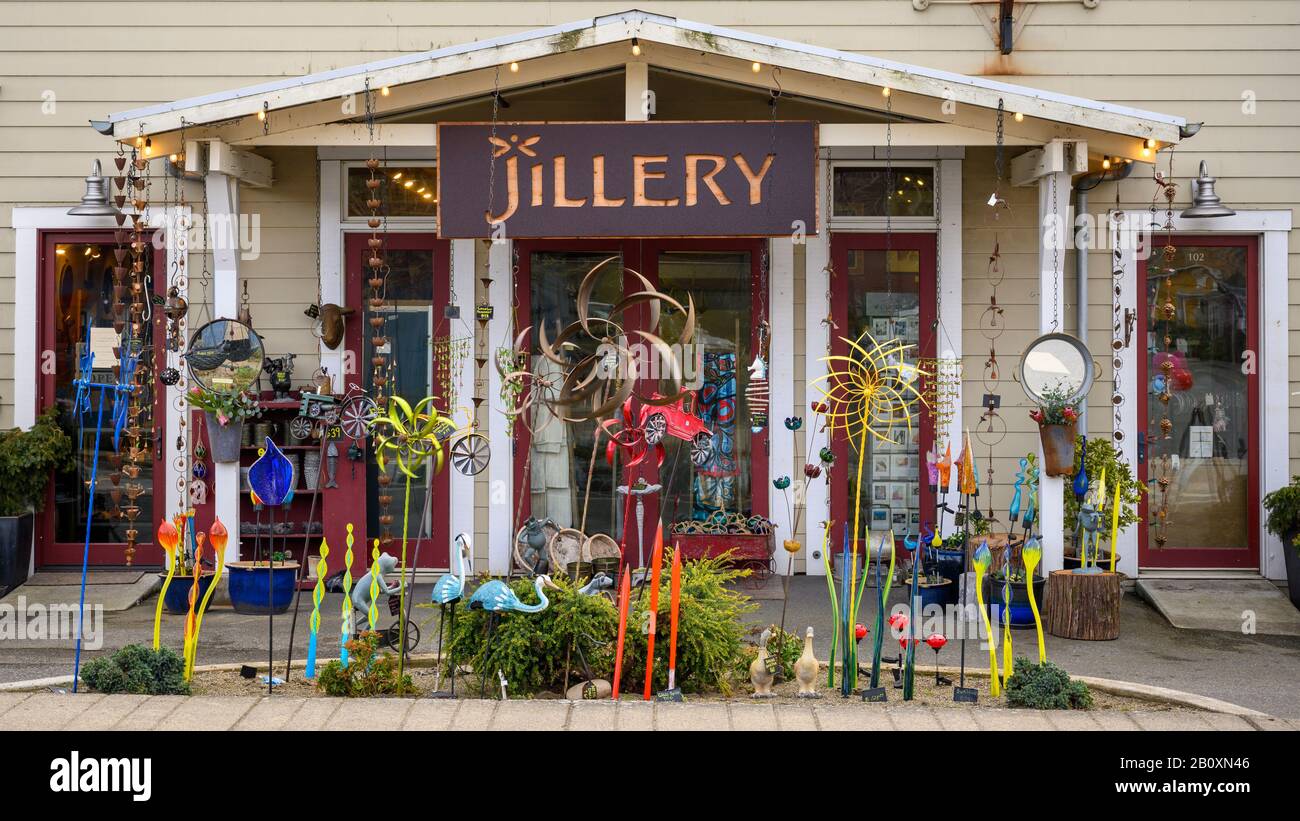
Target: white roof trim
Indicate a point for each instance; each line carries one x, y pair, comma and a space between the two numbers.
536, 43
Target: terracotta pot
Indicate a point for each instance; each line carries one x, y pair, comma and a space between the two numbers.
1058, 449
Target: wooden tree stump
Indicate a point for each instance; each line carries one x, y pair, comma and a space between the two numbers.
1083, 605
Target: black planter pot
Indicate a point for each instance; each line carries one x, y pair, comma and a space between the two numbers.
1022, 615
1292, 555
15, 550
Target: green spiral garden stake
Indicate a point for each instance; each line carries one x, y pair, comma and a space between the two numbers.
878, 640
835, 607
373, 614
347, 599
317, 596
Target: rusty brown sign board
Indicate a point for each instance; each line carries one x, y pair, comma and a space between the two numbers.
627, 179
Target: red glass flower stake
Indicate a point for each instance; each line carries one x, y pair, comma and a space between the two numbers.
936, 642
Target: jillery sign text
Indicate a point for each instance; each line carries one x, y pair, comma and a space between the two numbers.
654, 179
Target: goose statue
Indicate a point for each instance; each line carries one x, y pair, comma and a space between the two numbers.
807, 668
496, 597
759, 675
448, 591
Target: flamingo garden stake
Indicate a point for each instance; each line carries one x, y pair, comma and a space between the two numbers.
168, 537
448, 591
982, 558
656, 566
624, 595
1031, 554
496, 597
317, 596
347, 600
218, 536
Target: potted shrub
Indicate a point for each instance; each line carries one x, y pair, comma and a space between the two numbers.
225, 414
27, 460
1283, 507
1056, 419
1102, 454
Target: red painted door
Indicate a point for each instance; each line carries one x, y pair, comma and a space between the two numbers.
557, 475
417, 292
76, 302
1199, 399
885, 287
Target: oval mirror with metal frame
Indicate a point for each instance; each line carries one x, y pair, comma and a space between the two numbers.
225, 356
1054, 362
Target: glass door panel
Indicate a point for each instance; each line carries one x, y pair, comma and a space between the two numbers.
1201, 508
720, 283
565, 477
80, 312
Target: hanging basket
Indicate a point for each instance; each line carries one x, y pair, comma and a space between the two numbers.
224, 440
1058, 449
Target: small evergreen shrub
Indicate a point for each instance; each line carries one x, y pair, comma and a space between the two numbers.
531, 649
368, 673
1045, 687
137, 669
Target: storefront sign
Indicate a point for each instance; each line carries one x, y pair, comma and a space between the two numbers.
627, 179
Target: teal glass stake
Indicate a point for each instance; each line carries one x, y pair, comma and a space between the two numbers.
912, 545
846, 651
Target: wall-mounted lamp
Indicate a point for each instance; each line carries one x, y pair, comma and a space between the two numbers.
1206, 203
95, 202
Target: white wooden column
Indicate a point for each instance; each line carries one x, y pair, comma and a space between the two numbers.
948, 340
461, 485
501, 505
333, 281
816, 276
780, 378
636, 82
223, 209
1272, 368
1053, 212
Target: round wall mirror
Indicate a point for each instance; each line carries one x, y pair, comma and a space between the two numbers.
1056, 362
225, 356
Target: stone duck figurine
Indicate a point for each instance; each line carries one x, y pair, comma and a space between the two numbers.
807, 668
759, 675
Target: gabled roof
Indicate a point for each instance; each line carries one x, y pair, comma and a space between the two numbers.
666, 37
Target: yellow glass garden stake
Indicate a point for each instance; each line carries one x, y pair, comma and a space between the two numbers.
981, 562
1031, 554
1114, 526
347, 599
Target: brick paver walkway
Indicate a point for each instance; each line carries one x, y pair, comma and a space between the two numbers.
50, 711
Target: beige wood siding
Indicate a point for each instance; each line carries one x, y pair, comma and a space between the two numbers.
1196, 59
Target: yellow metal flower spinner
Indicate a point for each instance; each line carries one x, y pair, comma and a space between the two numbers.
872, 389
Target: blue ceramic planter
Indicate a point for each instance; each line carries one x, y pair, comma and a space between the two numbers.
248, 587
1019, 611
940, 594
177, 599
